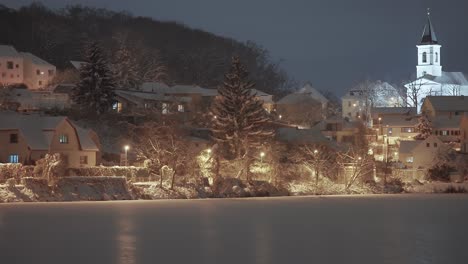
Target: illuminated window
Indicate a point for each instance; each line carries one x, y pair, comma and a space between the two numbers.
165, 108
444, 133
407, 129
83, 160
63, 139
410, 159
180, 108
424, 57
390, 131
14, 158
117, 106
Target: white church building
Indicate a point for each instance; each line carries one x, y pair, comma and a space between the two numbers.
430, 78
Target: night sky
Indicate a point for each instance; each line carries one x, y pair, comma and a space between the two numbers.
332, 43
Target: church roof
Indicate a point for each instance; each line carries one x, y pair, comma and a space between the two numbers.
429, 36
456, 78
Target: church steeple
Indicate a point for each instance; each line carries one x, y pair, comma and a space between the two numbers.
429, 36
429, 52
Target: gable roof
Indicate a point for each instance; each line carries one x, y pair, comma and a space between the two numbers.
394, 110
38, 130
78, 64
34, 59
399, 121
306, 92
407, 146
448, 103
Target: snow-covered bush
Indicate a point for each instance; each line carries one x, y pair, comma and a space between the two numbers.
135, 173
14, 170
51, 167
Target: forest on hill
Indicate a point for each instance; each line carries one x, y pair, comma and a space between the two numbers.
189, 56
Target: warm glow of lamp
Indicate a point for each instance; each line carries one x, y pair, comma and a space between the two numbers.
126, 147
209, 151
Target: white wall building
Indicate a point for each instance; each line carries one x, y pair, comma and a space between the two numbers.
430, 79
11, 66
24, 68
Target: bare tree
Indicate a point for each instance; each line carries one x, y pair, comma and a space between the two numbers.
415, 93
159, 144
317, 159
355, 165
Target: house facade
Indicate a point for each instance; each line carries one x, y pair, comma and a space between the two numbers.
419, 154
28, 138
24, 68
464, 134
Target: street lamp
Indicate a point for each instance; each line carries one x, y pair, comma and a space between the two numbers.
209, 151
126, 148
262, 154
315, 151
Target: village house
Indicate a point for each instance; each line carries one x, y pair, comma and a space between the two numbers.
447, 129
28, 138
396, 128
446, 106
379, 113
304, 108
354, 105
340, 130
420, 154
24, 68
464, 134
25, 100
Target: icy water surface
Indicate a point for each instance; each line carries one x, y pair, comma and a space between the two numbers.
380, 229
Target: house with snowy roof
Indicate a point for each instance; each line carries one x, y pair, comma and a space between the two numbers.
464, 134
28, 138
25, 100
447, 106
393, 129
430, 78
305, 107
24, 68
419, 154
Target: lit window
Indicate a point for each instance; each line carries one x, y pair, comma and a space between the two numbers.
409, 159
83, 160
63, 139
117, 106
390, 131
180, 108
14, 158
444, 133
407, 130
424, 57
165, 109
13, 138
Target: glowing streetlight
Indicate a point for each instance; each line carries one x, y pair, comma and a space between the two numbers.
262, 154
209, 151
280, 116
315, 151
126, 148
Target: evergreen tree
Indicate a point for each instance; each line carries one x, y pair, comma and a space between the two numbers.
95, 90
424, 128
240, 120
124, 67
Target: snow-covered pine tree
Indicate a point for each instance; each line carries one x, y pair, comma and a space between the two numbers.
424, 128
240, 122
124, 67
95, 90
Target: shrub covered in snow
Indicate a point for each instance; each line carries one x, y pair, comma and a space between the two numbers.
133, 173
14, 170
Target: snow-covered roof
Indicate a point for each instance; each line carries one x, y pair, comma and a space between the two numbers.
399, 121
78, 64
305, 92
407, 146
444, 122
453, 78
394, 110
448, 103
301, 136
38, 130
34, 59
154, 87
8, 51
86, 142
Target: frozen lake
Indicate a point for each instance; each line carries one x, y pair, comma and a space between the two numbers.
378, 229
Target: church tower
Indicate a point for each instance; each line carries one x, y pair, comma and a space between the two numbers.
428, 52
